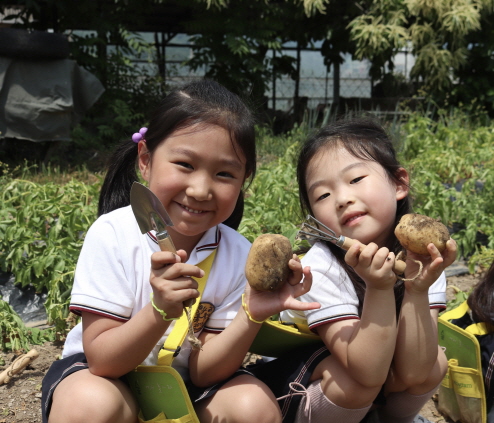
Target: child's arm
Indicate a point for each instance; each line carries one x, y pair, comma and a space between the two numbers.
417, 343
222, 354
365, 347
114, 348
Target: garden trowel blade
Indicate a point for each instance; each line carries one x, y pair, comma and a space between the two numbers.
148, 210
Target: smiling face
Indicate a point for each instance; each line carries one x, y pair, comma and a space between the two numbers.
198, 176
352, 196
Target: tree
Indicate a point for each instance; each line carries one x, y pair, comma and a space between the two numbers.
435, 31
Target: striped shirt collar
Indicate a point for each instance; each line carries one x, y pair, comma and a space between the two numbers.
206, 245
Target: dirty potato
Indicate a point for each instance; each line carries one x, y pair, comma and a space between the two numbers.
267, 263
416, 231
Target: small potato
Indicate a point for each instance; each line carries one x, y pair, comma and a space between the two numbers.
267, 263
416, 231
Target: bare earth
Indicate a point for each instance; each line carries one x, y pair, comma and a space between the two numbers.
20, 399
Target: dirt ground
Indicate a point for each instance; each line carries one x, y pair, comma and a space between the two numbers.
20, 399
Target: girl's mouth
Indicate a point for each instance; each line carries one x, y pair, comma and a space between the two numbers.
354, 218
194, 211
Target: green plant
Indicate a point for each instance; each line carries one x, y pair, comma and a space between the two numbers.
482, 259
14, 335
450, 160
271, 204
42, 228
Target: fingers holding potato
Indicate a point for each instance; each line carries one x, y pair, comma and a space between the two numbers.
415, 232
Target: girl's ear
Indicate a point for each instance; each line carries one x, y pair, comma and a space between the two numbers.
144, 159
402, 187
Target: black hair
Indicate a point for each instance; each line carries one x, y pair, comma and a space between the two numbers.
481, 300
199, 102
365, 139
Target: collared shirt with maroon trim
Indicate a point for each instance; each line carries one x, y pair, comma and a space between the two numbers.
112, 276
333, 289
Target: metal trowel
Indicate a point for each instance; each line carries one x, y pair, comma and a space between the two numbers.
151, 215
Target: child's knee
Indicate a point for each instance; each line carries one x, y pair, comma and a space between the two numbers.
242, 400
97, 400
256, 406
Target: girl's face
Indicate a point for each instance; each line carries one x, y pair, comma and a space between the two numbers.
353, 197
197, 175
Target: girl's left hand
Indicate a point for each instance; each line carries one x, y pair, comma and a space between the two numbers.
433, 266
263, 304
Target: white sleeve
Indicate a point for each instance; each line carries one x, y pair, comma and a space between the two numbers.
104, 281
331, 287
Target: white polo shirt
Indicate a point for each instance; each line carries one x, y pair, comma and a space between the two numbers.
112, 277
333, 289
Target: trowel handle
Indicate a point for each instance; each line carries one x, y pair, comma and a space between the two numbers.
166, 244
398, 268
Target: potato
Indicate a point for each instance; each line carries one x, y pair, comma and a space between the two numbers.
416, 231
267, 263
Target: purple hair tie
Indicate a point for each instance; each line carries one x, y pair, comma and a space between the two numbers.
139, 135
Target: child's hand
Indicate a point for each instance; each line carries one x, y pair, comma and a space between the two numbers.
433, 266
172, 282
373, 264
263, 304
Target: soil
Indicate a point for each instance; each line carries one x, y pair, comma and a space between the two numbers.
20, 399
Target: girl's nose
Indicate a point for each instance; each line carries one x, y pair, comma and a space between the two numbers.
343, 200
199, 188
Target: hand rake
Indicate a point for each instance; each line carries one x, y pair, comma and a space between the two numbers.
310, 231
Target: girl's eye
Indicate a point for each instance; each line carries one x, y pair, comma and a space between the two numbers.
322, 197
354, 181
184, 164
225, 175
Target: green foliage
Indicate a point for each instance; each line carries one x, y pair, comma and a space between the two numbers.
483, 258
271, 204
42, 228
451, 161
14, 335
131, 90
460, 298
437, 33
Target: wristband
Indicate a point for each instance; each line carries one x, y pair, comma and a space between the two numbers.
244, 306
163, 314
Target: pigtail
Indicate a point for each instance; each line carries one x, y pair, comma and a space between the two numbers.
121, 174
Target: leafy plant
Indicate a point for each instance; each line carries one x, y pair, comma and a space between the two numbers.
42, 228
14, 335
271, 204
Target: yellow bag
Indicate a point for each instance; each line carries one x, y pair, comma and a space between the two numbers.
462, 393
276, 338
160, 390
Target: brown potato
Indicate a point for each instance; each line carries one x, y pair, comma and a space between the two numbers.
267, 263
416, 231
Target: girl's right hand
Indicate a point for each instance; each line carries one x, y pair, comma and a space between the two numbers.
373, 264
171, 280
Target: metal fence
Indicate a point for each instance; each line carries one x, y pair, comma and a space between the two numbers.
315, 83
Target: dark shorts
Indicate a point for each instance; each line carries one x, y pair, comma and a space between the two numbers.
276, 374
297, 366
58, 371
